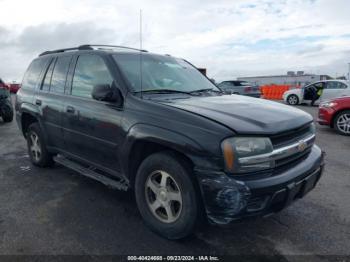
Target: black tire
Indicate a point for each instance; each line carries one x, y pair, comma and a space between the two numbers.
342, 129
44, 159
190, 213
7, 114
292, 100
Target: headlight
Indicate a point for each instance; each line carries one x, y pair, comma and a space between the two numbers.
236, 149
328, 104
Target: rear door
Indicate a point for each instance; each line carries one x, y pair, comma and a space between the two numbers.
31, 81
50, 99
345, 90
92, 129
332, 89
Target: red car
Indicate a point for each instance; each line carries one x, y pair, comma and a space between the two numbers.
336, 114
14, 87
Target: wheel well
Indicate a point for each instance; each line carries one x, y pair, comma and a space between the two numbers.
336, 114
142, 149
26, 120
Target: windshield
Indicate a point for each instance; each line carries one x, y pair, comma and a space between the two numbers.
161, 73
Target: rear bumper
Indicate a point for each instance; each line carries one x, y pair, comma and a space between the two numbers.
227, 199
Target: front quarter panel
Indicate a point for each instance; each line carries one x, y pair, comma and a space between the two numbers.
194, 136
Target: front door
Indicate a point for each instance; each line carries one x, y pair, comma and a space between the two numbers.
92, 128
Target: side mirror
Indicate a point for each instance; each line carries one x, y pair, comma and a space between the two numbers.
107, 93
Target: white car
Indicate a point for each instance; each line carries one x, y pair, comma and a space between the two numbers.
332, 89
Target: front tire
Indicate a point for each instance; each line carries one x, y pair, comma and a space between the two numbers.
37, 150
292, 100
166, 196
342, 123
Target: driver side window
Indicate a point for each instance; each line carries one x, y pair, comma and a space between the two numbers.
90, 71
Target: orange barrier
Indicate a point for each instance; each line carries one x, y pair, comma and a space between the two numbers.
273, 92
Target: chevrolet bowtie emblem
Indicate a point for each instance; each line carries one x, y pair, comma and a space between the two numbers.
302, 146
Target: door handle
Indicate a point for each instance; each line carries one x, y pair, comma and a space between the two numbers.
70, 109
38, 102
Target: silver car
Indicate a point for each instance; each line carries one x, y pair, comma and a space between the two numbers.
331, 89
240, 88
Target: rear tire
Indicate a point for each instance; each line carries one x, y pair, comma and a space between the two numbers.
7, 114
341, 123
37, 150
166, 196
292, 100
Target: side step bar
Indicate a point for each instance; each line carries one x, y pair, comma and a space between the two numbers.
89, 172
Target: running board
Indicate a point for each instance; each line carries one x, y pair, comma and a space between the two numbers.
91, 173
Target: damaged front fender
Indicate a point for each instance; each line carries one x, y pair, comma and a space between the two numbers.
224, 198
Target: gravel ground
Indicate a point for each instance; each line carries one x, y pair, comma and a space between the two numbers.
56, 211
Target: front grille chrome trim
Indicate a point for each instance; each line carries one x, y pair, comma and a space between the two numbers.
298, 147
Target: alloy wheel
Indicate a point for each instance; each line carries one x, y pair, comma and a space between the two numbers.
35, 147
293, 100
343, 123
163, 196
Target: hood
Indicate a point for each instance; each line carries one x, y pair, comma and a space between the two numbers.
244, 115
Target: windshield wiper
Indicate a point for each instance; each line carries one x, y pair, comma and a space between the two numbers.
163, 91
204, 90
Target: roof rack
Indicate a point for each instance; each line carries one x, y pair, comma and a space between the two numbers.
90, 47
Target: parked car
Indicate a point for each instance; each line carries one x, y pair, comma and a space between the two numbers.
187, 151
3, 85
6, 108
240, 88
336, 114
331, 89
14, 87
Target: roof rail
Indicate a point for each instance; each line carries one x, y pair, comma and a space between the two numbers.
88, 47
82, 47
113, 46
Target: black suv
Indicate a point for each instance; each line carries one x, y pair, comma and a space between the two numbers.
154, 124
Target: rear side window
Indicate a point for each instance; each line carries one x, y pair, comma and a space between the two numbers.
335, 85
31, 77
342, 85
90, 71
59, 75
47, 80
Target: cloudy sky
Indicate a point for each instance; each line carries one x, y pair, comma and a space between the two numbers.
230, 38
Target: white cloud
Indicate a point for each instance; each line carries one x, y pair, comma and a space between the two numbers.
230, 38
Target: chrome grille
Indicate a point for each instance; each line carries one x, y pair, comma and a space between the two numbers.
288, 148
292, 136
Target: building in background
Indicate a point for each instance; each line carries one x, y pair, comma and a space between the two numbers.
292, 78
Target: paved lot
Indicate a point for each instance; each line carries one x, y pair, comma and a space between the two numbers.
57, 211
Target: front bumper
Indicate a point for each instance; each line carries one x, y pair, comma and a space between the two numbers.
325, 115
227, 199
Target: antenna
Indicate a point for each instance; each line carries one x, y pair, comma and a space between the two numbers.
141, 52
